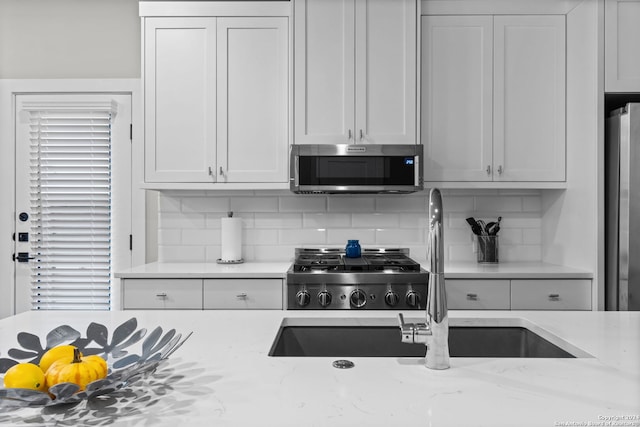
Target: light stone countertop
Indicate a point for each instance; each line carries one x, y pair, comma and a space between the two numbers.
223, 376
469, 270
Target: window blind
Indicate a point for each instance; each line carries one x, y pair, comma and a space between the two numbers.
70, 198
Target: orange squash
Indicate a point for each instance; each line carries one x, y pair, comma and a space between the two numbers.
79, 370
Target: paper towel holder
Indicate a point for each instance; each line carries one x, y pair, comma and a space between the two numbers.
231, 261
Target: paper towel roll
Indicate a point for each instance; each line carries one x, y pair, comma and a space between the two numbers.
231, 239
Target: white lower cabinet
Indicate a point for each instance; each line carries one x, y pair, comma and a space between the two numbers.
162, 294
551, 294
519, 294
242, 294
198, 294
478, 294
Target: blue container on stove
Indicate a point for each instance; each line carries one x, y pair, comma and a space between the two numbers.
352, 250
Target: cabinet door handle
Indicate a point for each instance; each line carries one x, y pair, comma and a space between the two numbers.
488, 169
210, 171
500, 170
242, 295
472, 297
361, 135
349, 134
554, 297
162, 295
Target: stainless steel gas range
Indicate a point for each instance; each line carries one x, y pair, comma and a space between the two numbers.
380, 279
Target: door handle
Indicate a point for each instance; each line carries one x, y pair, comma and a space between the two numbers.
22, 257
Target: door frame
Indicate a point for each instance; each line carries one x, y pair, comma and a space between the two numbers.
9, 88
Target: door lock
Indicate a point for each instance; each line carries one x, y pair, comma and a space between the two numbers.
22, 257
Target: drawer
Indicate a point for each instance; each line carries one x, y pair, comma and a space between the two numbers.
563, 294
243, 294
478, 294
162, 294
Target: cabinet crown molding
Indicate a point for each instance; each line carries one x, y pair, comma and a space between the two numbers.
213, 8
498, 7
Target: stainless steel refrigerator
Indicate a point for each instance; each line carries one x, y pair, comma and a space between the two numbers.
622, 217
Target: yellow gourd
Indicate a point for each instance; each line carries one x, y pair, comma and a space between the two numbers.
78, 370
55, 353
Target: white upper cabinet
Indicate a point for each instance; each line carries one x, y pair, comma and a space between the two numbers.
622, 38
529, 141
457, 97
180, 99
355, 71
493, 98
252, 99
217, 100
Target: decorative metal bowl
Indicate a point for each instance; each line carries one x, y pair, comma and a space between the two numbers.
124, 367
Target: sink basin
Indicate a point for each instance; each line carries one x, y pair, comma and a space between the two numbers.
381, 338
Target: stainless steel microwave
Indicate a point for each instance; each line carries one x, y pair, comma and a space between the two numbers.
344, 168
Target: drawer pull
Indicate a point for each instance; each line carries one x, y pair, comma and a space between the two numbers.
554, 297
472, 297
241, 296
162, 295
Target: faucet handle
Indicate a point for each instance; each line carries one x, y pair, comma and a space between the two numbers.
413, 332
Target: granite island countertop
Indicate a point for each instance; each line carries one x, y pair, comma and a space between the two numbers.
223, 375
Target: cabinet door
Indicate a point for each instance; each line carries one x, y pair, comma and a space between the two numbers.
324, 71
457, 92
567, 294
622, 38
243, 294
478, 294
162, 294
180, 93
385, 91
253, 99
529, 98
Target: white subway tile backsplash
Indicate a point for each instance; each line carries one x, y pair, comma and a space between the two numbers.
371, 220
170, 236
499, 204
531, 204
303, 237
181, 254
326, 220
169, 204
254, 236
205, 204
254, 204
181, 220
191, 237
303, 204
456, 204
400, 204
398, 237
276, 222
339, 236
351, 204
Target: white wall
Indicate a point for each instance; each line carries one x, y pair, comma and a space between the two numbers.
571, 221
52, 39
274, 223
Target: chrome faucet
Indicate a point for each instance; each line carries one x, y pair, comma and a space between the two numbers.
435, 332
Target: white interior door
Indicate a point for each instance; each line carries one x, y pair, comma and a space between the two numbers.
73, 199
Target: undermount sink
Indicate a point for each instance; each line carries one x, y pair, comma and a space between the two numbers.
361, 337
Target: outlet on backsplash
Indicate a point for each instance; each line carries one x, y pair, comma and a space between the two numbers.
275, 223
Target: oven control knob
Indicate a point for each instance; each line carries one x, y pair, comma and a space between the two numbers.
324, 298
391, 298
303, 298
413, 299
358, 298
